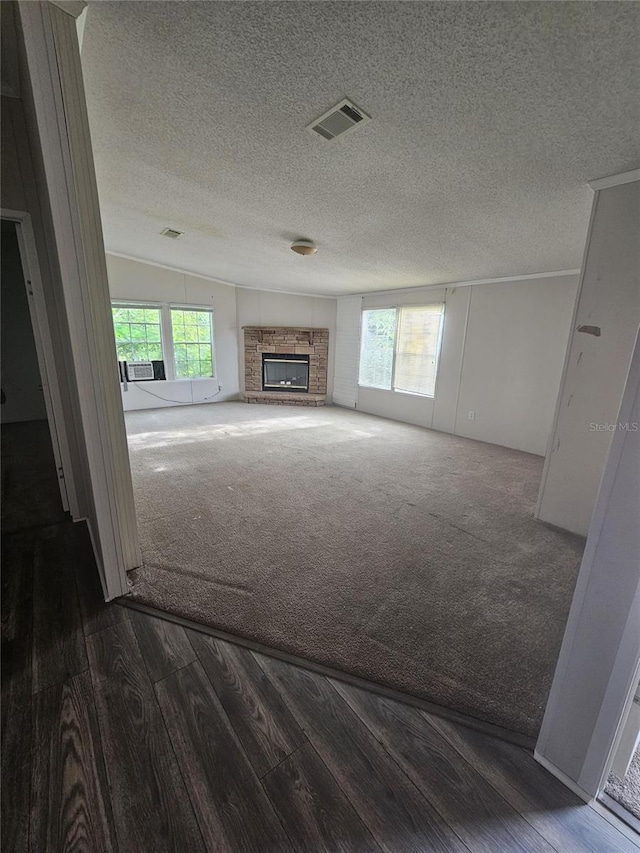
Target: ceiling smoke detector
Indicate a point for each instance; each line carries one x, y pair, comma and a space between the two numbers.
304, 247
172, 233
337, 121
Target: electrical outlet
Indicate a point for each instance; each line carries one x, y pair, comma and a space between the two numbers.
472, 416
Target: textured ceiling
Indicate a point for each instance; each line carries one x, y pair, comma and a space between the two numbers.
488, 119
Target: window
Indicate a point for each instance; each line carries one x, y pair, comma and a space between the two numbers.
192, 343
417, 349
399, 348
138, 332
181, 336
376, 348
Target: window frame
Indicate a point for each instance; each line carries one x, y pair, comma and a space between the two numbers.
398, 309
181, 306
166, 335
393, 351
156, 306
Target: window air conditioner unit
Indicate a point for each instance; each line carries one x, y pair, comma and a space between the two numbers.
139, 371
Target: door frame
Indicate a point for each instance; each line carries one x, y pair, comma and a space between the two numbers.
57, 115
41, 326
582, 759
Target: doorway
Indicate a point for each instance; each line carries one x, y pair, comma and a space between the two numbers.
622, 791
32, 493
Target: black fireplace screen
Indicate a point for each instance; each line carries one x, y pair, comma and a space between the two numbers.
285, 372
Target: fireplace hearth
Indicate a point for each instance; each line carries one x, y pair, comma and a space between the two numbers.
285, 372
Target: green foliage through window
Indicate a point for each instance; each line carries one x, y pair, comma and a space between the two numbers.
192, 332
138, 333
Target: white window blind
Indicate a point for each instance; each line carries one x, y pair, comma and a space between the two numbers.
417, 347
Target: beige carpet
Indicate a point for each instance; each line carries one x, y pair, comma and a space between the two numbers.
399, 554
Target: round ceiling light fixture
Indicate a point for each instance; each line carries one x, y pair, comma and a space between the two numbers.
304, 247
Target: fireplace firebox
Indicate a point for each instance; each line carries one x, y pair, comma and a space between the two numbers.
285, 372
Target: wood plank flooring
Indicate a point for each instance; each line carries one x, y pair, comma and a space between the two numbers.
59, 650
70, 803
148, 793
125, 733
263, 723
17, 684
165, 647
29, 488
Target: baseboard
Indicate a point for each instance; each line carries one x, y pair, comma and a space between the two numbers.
621, 815
616, 814
604, 805
430, 707
573, 786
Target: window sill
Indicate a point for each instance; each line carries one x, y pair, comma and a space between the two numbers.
414, 394
165, 381
397, 391
195, 379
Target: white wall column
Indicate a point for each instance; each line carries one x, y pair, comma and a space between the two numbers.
347, 358
605, 323
597, 670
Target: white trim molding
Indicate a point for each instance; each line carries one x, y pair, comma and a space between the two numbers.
451, 284
615, 180
216, 280
571, 785
75, 8
289, 292
440, 286
592, 803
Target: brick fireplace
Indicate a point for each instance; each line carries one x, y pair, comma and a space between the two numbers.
276, 342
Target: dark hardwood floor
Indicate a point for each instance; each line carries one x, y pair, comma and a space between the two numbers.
125, 732
29, 485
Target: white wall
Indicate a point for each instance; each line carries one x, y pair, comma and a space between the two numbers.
456, 317
596, 366
397, 406
501, 357
347, 350
515, 345
263, 308
135, 280
233, 308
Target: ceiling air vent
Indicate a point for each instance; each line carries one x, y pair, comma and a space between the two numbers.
339, 120
172, 233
